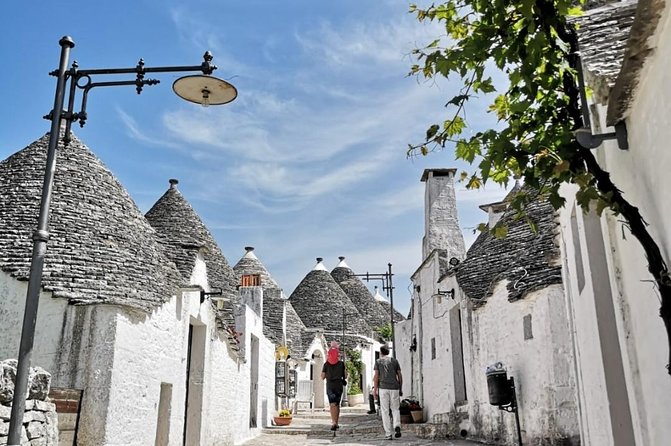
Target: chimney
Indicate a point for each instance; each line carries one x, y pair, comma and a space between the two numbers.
441, 222
494, 212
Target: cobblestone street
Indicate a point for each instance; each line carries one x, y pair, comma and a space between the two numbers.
356, 428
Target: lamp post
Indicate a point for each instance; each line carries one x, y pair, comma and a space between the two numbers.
203, 89
345, 400
388, 286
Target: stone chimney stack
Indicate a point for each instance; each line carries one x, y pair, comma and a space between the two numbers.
441, 222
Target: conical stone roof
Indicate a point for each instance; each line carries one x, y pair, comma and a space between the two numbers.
183, 234
386, 307
273, 310
359, 294
101, 248
321, 303
527, 258
273, 306
250, 264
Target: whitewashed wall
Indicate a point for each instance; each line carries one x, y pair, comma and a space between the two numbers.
425, 285
642, 174
541, 366
74, 343
403, 333
437, 372
152, 349
120, 357
317, 355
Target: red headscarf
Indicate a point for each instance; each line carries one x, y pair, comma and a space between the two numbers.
333, 353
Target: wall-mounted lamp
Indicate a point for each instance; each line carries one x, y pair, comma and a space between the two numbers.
587, 140
440, 293
219, 300
413, 344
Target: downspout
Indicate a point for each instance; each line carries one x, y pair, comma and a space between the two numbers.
420, 349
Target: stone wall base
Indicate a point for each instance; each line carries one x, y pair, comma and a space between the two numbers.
40, 424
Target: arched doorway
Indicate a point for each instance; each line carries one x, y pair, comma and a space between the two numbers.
317, 383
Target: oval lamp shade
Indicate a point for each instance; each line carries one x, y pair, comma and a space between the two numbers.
204, 90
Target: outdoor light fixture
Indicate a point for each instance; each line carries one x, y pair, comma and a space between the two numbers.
204, 294
202, 89
440, 293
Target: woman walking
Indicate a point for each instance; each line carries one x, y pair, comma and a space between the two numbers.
334, 374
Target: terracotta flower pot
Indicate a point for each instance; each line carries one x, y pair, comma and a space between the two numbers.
282, 421
417, 416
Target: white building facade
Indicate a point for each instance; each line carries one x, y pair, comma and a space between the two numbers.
620, 341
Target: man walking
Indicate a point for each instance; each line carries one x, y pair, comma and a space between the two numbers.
387, 384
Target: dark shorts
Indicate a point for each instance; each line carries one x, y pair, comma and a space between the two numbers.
334, 395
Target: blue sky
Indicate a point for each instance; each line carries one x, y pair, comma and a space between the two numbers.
309, 161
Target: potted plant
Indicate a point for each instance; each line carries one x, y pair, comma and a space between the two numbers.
283, 418
354, 369
410, 407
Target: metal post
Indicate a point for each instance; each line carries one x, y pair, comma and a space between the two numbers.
390, 290
345, 401
514, 409
40, 237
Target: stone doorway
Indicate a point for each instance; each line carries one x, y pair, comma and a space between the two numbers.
317, 382
195, 371
254, 382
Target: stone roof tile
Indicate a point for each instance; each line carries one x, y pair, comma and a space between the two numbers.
183, 234
360, 296
101, 248
250, 264
527, 259
320, 303
602, 35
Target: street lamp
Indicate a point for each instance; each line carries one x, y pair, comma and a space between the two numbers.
202, 89
388, 286
345, 400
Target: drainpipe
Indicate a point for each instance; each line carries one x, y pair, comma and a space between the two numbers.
420, 348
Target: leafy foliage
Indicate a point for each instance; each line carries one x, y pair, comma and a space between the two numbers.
384, 331
354, 368
533, 44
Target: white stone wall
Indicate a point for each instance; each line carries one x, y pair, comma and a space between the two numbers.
317, 354
541, 366
120, 357
642, 174
425, 285
74, 343
140, 368
437, 329
404, 355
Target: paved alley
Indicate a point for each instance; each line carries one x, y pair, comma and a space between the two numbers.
356, 428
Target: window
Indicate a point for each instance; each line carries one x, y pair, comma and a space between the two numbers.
433, 348
250, 280
526, 324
